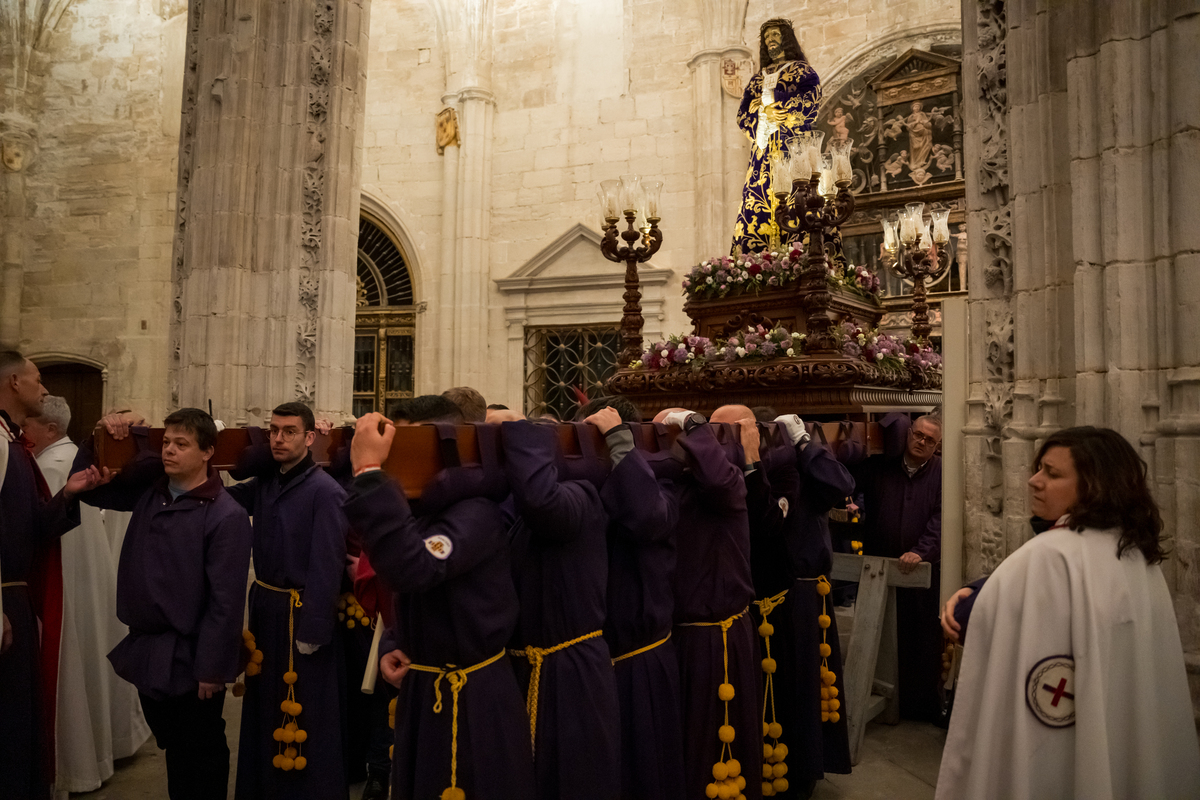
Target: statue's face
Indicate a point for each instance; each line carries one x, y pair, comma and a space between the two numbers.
773, 39
13, 156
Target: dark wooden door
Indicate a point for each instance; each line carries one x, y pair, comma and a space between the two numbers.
83, 388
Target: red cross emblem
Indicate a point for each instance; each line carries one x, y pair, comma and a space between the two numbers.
1050, 691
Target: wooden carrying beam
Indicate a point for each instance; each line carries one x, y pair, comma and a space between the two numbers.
416, 456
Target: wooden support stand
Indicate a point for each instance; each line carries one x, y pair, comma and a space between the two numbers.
871, 669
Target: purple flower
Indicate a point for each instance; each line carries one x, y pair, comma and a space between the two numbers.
768, 348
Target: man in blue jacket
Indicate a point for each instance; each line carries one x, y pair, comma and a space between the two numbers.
181, 585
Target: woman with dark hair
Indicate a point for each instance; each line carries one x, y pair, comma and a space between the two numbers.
1073, 682
779, 102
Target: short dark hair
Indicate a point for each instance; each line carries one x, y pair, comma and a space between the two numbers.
764, 413
428, 408
1112, 490
625, 407
10, 362
497, 407
196, 422
295, 409
471, 402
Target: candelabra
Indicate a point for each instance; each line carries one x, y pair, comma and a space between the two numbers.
819, 200
918, 261
642, 239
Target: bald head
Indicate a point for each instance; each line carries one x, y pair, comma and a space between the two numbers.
734, 414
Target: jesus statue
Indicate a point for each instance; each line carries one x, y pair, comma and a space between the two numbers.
779, 102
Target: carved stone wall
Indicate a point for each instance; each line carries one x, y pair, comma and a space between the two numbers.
267, 213
1084, 230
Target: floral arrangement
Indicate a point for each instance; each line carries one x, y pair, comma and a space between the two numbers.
675, 349
758, 343
723, 276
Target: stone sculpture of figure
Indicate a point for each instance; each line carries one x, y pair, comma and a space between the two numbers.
779, 102
841, 124
920, 135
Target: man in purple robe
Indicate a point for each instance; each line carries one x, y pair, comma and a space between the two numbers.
30, 524
460, 721
789, 499
299, 554
641, 604
714, 632
561, 568
903, 519
181, 586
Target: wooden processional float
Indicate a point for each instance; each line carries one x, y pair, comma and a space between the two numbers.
420, 452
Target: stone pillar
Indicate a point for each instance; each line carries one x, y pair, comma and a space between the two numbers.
264, 257
715, 131
465, 30
1099, 108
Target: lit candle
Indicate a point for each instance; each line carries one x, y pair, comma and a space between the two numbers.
890, 242
926, 238
908, 228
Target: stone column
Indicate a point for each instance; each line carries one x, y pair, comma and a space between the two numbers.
1099, 108
465, 29
718, 141
264, 255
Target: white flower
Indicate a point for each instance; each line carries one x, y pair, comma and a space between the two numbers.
796, 335
663, 354
879, 356
862, 339
741, 351
791, 352
749, 330
708, 280
690, 356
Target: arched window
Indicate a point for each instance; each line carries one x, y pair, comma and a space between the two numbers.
385, 323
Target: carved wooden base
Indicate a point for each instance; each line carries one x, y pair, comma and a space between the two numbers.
789, 385
782, 306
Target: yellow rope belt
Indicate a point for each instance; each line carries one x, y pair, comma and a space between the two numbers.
12, 584
536, 656
458, 679
722, 768
829, 693
291, 709
641, 650
774, 753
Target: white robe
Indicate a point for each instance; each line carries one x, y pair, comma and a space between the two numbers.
99, 716
1066, 593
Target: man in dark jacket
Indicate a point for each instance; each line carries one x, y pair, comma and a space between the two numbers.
461, 728
641, 603
299, 552
181, 586
903, 519
560, 561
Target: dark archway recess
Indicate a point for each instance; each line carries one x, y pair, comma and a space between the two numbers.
83, 387
383, 276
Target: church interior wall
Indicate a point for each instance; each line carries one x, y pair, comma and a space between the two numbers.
583, 92
100, 197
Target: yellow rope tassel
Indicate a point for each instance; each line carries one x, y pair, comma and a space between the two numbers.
536, 656
773, 754
641, 650
289, 731
458, 680
726, 772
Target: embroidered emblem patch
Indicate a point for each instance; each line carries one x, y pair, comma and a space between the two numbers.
439, 546
783, 506
1050, 691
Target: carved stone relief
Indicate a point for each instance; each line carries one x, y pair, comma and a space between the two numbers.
311, 240
999, 324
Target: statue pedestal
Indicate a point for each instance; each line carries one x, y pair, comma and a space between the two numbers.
718, 317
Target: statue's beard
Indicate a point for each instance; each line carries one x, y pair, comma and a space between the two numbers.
775, 52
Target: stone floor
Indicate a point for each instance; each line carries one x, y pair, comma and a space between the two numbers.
899, 761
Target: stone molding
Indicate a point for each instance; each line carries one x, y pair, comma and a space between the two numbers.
528, 278
884, 50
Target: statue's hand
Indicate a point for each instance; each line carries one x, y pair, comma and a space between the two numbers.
776, 114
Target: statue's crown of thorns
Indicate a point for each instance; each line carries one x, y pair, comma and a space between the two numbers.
778, 22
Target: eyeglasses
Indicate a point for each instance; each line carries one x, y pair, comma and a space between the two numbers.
283, 434
921, 438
